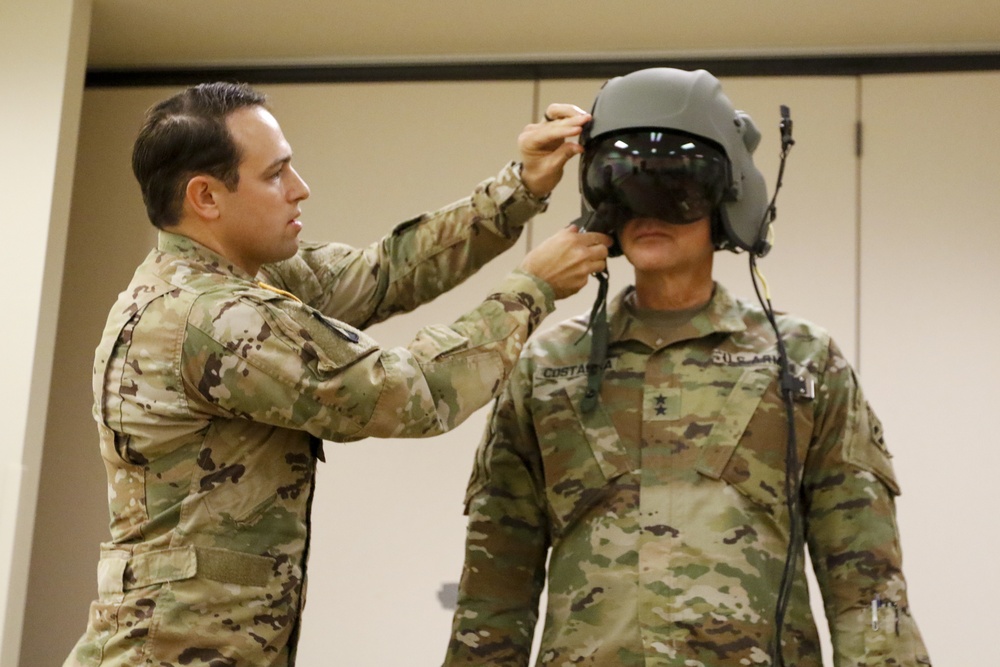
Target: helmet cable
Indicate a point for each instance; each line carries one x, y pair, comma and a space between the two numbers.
790, 386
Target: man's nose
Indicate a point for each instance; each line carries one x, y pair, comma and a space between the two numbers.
301, 191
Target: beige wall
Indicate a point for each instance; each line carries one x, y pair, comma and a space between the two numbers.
929, 312
41, 75
861, 248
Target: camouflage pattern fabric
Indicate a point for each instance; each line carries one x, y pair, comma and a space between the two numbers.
214, 391
662, 512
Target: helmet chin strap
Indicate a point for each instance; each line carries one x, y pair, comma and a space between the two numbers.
598, 325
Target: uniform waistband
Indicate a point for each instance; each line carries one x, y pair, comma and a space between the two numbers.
119, 571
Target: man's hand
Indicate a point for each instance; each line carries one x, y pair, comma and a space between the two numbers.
545, 147
567, 259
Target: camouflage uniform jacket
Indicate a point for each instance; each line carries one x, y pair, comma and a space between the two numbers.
213, 392
664, 508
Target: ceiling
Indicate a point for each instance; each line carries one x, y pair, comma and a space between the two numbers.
196, 33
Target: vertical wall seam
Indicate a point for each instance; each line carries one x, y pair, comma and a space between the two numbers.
536, 114
858, 194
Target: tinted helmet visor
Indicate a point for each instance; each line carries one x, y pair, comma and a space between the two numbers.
654, 174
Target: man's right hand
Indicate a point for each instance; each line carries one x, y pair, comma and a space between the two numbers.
567, 259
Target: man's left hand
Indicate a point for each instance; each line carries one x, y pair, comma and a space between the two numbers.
546, 147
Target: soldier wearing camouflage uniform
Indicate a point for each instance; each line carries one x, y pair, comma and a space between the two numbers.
658, 501
218, 376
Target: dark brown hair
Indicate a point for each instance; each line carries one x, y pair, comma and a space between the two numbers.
186, 135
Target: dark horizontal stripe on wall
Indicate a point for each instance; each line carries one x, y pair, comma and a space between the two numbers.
844, 65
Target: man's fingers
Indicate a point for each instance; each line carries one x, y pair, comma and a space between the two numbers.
558, 111
596, 239
565, 153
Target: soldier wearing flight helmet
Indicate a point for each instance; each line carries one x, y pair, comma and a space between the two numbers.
660, 477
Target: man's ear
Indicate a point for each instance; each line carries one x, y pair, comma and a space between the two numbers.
201, 197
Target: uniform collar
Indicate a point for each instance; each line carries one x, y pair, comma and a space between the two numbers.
195, 253
722, 315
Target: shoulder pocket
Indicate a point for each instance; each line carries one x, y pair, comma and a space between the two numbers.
328, 343
867, 449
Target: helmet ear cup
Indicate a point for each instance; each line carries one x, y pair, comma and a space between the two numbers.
607, 219
743, 220
748, 130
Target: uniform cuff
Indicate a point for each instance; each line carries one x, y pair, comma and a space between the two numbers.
513, 198
532, 292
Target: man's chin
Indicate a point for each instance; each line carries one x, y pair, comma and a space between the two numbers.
286, 251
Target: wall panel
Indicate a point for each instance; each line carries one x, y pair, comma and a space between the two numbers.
929, 312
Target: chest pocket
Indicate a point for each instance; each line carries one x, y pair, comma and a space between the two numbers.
746, 446
582, 454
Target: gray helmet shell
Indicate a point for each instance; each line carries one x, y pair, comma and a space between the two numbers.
693, 103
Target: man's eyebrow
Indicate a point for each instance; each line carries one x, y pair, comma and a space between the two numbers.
279, 162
